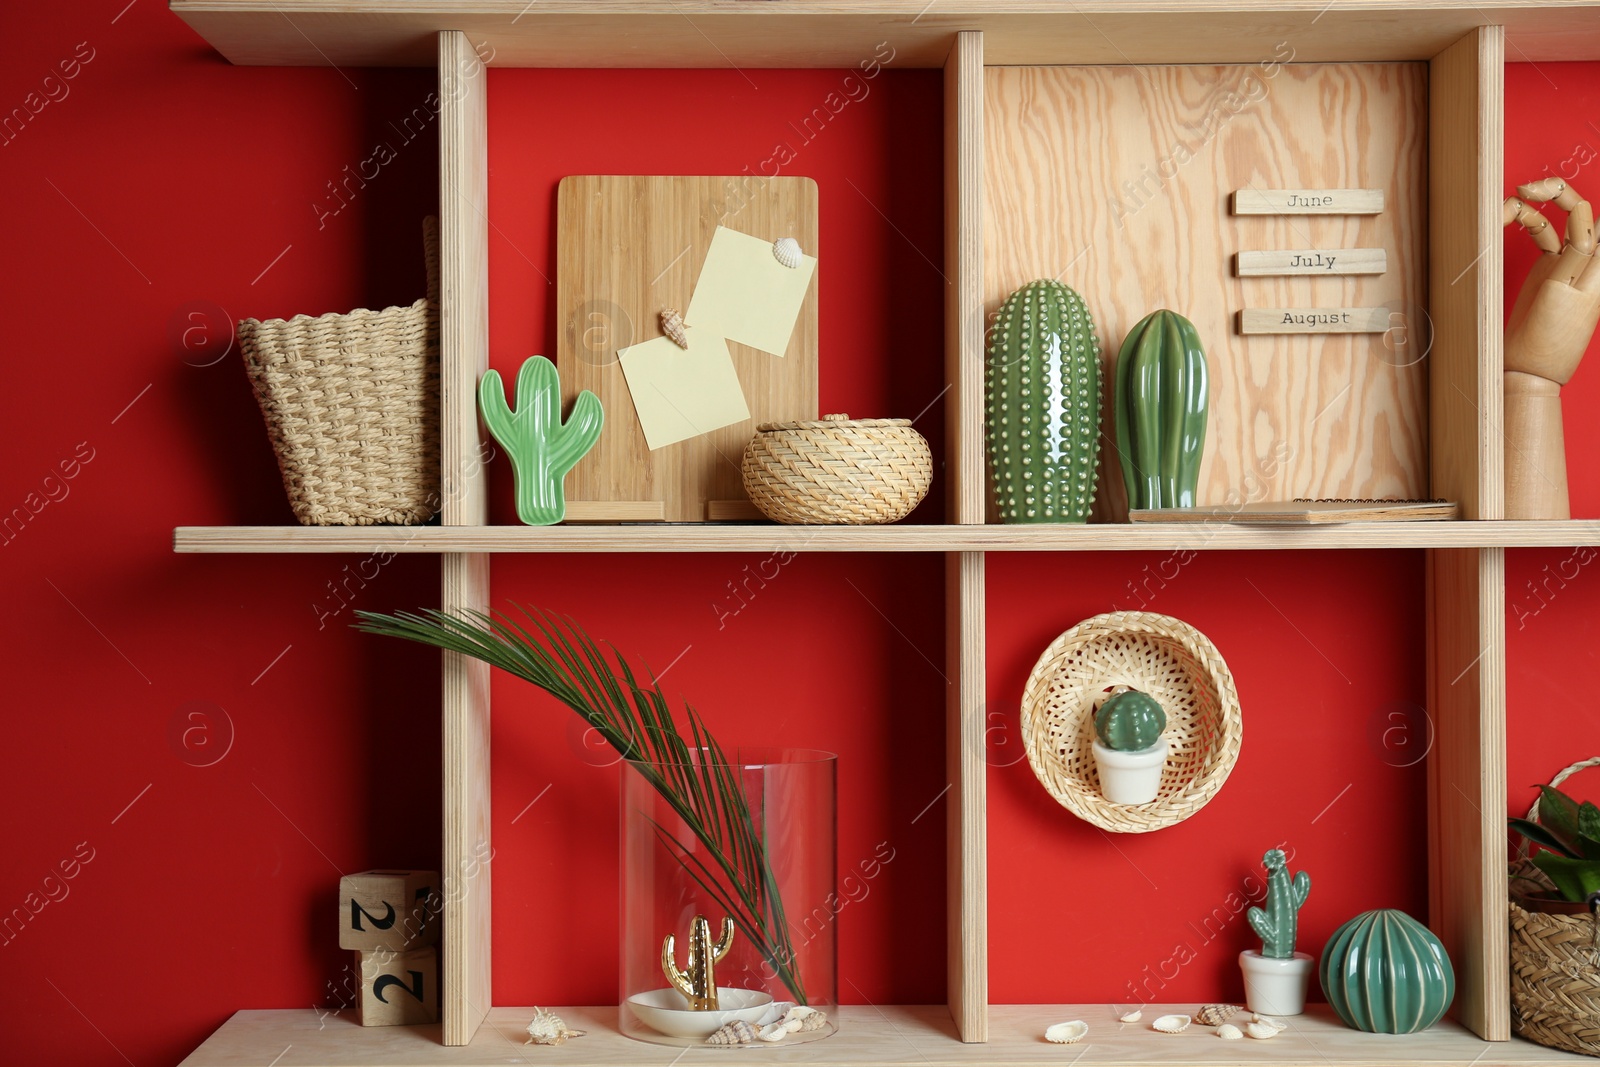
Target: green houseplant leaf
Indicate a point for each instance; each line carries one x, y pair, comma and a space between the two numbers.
1540, 836
1574, 877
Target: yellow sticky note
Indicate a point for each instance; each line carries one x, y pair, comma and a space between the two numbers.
681, 394
746, 295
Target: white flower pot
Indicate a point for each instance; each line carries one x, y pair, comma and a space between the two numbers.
1130, 777
1275, 987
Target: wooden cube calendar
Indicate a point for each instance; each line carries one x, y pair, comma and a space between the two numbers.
395, 910
398, 988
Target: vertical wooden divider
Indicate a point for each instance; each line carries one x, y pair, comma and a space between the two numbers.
1466, 587
966, 837
465, 995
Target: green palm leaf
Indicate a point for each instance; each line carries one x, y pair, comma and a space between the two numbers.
691, 774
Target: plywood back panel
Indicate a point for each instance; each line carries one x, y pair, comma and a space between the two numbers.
1117, 182
631, 245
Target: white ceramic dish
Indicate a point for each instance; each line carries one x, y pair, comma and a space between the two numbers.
665, 1010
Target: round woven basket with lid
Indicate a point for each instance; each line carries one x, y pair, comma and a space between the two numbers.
1155, 654
837, 470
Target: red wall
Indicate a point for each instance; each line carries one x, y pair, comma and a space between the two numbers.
204, 745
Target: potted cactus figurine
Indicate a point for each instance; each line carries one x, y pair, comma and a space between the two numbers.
1161, 397
1129, 751
1275, 978
1043, 412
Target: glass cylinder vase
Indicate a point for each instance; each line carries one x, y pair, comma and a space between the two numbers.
738, 869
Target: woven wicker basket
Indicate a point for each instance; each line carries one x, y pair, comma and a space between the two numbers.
837, 470
351, 404
1164, 657
1555, 966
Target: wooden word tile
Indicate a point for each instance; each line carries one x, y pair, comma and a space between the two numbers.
1307, 201
1334, 261
1316, 320
399, 988
396, 910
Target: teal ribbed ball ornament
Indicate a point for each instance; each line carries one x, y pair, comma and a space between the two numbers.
1385, 973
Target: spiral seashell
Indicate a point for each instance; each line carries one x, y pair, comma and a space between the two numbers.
547, 1028
1229, 1032
1216, 1014
1262, 1031
786, 250
1131, 1017
672, 326
1171, 1024
737, 1032
1067, 1033
801, 1019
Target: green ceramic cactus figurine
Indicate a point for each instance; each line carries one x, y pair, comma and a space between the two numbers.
1043, 417
1161, 398
697, 982
542, 448
1130, 721
1277, 924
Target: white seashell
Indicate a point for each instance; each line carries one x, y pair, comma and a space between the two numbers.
548, 1029
1171, 1024
775, 1011
1216, 1014
1067, 1033
737, 1032
1132, 1017
1229, 1032
1262, 1031
1268, 1021
786, 250
776, 1032
815, 1021
800, 1018
672, 326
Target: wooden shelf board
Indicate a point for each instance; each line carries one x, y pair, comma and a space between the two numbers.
843, 33
1145, 537
922, 1036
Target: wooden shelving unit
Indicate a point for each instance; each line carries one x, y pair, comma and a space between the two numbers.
1464, 48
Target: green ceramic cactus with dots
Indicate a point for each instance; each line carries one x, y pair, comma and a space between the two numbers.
542, 447
1130, 721
1162, 393
1278, 923
1043, 406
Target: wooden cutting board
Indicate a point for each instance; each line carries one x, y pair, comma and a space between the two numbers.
628, 246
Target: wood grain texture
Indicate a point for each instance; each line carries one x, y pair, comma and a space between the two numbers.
966, 820
1467, 780
1116, 181
839, 33
629, 246
1466, 92
1307, 320
1104, 537
963, 269
465, 995
872, 1036
1316, 262
1307, 201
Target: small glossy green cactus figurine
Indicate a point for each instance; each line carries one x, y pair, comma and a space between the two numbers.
1277, 924
697, 982
1130, 721
1043, 412
542, 448
1161, 399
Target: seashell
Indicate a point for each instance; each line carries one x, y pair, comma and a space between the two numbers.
1267, 1021
737, 1032
1262, 1031
672, 326
1067, 1033
801, 1018
547, 1028
776, 1032
1216, 1014
1229, 1032
786, 250
775, 1011
1171, 1024
1131, 1017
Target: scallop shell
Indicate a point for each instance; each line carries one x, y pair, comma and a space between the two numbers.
672, 326
776, 1032
1229, 1032
1216, 1014
547, 1028
1262, 1031
737, 1032
1131, 1017
1171, 1024
1067, 1033
786, 250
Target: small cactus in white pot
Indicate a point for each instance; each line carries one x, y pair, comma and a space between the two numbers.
1129, 751
1275, 978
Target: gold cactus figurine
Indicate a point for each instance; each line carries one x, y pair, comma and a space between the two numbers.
697, 982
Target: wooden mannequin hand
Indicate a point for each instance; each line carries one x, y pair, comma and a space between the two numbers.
1556, 311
